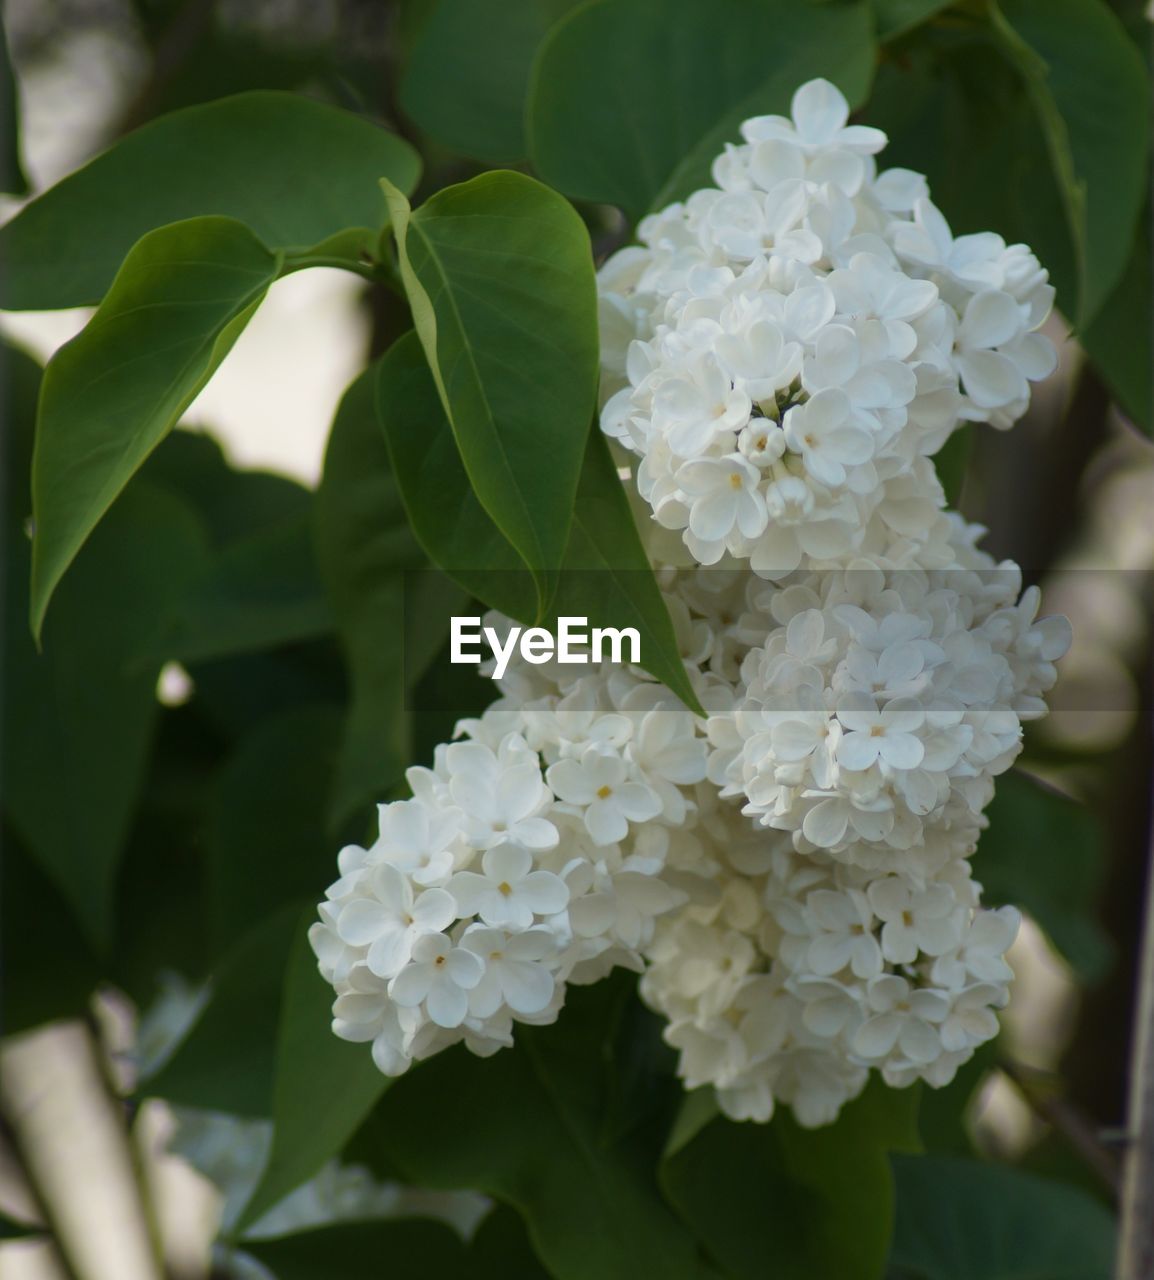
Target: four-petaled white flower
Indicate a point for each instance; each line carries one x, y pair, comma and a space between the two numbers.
875, 734
500, 802
824, 432
389, 919
510, 892
440, 975
513, 975
600, 786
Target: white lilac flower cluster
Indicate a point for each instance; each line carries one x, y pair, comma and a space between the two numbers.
784, 350
790, 873
529, 856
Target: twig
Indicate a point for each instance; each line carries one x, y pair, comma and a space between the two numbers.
1136, 1235
12, 1139
1067, 1119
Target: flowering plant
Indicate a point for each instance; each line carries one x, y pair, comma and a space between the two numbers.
704, 325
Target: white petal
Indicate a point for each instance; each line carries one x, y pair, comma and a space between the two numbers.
858, 751
825, 824
605, 823
543, 892
447, 1004
528, 987
361, 921
819, 110
991, 318
901, 750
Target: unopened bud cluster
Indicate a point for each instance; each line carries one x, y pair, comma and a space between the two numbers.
790, 874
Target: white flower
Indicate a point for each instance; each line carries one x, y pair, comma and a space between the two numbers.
971, 1019
927, 920
819, 112
885, 734
971, 260
510, 892
694, 409
783, 353
440, 975
388, 919
723, 496
824, 432
418, 839
843, 936
501, 802
599, 785
982, 955
514, 974
902, 1018
992, 319
760, 358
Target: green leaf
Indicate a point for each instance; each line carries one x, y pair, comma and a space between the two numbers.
363, 546
296, 172
110, 395
819, 1202
259, 592
1121, 336
233, 504
897, 17
266, 831
952, 461
443, 510
962, 1219
324, 1087
32, 992
606, 575
631, 99
957, 111
1043, 852
414, 1248
79, 716
524, 1126
11, 1229
1091, 93
227, 1060
483, 49
12, 177
402, 1249
500, 277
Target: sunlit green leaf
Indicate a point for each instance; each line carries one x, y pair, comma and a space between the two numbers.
110, 396
606, 576
499, 274
296, 172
